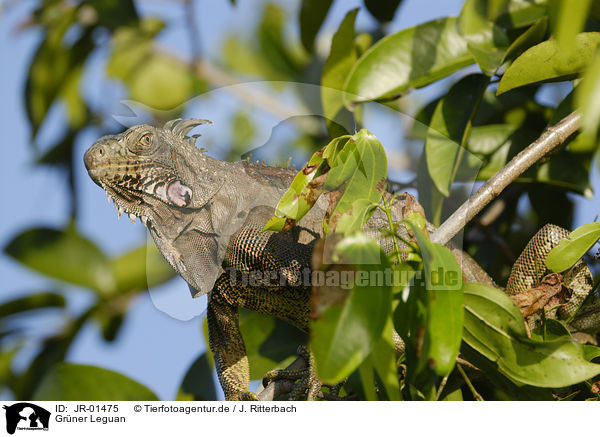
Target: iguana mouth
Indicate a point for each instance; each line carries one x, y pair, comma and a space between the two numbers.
123, 207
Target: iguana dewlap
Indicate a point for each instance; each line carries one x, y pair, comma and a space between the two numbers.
207, 217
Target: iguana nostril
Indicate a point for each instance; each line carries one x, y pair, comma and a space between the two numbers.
93, 156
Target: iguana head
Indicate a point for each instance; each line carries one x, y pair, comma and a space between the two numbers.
150, 172
159, 175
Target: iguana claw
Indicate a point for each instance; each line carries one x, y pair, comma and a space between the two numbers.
308, 383
247, 396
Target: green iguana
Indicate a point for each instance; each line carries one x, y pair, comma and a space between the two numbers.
207, 217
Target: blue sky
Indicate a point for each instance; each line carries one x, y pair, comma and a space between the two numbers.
154, 348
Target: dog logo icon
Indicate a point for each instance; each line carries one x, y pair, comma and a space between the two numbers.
26, 416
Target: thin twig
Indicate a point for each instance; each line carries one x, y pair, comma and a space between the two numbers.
441, 387
467, 364
193, 31
552, 137
476, 395
253, 94
387, 209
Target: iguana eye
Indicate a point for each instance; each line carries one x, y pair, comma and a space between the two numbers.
146, 140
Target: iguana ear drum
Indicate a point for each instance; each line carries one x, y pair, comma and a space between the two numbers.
179, 194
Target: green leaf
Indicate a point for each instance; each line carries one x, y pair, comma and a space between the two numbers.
130, 48
546, 62
550, 330
209, 355
587, 96
366, 371
140, 269
567, 19
495, 328
270, 34
567, 170
429, 196
55, 72
153, 78
517, 108
510, 14
443, 284
495, 145
342, 57
65, 255
511, 390
113, 13
362, 42
422, 119
266, 55
449, 128
570, 250
488, 59
198, 383
382, 10
345, 332
383, 358
492, 144
456, 395
77, 382
32, 302
530, 37
487, 41
73, 99
312, 15
6, 359
411, 312
585, 140
161, 83
518, 13
244, 133
358, 214
411, 58
60, 154
304, 190
352, 169
357, 174
240, 56
270, 343
111, 323
591, 352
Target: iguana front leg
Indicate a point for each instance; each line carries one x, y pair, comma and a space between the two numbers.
278, 259
226, 342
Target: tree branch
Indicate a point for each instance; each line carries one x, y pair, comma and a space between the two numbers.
193, 31
552, 137
279, 387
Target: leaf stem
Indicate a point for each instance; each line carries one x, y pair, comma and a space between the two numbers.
387, 209
441, 387
476, 395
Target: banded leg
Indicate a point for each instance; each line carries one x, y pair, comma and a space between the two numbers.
227, 344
